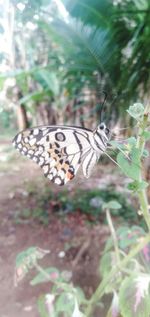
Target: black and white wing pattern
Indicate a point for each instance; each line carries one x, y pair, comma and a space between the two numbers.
60, 150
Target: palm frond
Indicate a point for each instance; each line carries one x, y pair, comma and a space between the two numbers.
86, 47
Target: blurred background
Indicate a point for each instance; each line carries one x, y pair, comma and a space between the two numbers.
58, 59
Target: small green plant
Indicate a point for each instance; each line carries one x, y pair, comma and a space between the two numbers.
124, 266
88, 202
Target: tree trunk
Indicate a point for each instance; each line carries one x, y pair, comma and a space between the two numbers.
22, 119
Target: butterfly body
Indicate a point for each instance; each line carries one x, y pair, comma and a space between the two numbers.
60, 150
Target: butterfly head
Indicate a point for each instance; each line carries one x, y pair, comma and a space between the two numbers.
102, 135
103, 131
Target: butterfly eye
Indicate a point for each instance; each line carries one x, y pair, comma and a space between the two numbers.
107, 131
102, 126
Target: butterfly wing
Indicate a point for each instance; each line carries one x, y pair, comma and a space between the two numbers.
58, 150
89, 162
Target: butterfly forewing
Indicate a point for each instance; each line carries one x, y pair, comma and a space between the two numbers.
58, 150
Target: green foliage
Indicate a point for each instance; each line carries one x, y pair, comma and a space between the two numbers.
97, 37
136, 111
39, 213
52, 272
85, 202
130, 167
42, 307
113, 204
134, 296
128, 22
62, 293
26, 260
91, 203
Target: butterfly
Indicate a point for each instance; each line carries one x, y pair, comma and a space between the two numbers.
61, 150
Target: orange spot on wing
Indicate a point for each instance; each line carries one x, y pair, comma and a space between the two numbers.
69, 175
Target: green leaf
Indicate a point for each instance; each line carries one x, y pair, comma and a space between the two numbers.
129, 236
106, 263
136, 186
131, 168
132, 141
29, 256
136, 111
114, 310
36, 96
48, 80
134, 296
146, 135
65, 303
112, 204
42, 307
41, 278
145, 153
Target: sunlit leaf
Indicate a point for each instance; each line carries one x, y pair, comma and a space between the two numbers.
134, 296
136, 111
130, 167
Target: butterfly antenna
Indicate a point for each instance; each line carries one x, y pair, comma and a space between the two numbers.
111, 159
121, 129
99, 93
103, 104
114, 97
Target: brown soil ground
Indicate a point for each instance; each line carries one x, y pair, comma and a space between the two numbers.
18, 178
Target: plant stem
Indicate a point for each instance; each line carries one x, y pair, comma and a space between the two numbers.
113, 233
40, 270
142, 193
107, 280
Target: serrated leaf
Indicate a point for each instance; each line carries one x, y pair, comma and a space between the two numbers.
136, 111
41, 278
130, 168
134, 296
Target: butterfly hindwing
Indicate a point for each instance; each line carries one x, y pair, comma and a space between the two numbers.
58, 150
89, 162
